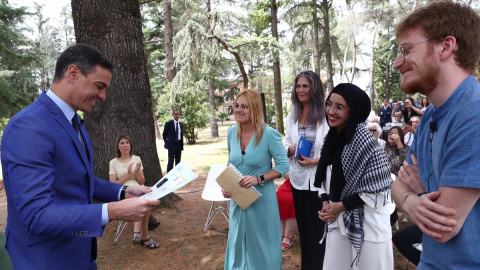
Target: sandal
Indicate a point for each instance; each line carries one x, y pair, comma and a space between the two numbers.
136, 238
286, 246
153, 244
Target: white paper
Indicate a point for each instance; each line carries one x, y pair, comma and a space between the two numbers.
178, 177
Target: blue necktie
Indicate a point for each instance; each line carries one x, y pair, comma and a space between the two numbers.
76, 126
76, 123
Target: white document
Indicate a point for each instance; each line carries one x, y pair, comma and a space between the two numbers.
178, 177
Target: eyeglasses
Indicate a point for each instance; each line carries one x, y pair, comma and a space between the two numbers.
402, 50
390, 134
336, 108
373, 130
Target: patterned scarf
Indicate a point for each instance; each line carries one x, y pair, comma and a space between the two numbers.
364, 164
366, 170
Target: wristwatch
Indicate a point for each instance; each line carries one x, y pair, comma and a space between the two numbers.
262, 179
122, 193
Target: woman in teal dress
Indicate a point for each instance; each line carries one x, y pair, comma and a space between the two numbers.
254, 236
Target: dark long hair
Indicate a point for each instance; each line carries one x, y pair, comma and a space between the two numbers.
316, 113
402, 136
413, 104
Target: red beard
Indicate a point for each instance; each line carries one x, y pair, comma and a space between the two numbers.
428, 78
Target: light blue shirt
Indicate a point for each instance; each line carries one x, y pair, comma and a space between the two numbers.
69, 113
450, 157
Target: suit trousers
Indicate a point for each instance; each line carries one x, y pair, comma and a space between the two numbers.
310, 227
405, 239
174, 154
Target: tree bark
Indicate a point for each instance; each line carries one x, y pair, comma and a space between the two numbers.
316, 54
328, 46
277, 80
373, 90
115, 28
167, 13
211, 84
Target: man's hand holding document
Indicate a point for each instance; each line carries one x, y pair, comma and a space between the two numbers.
178, 177
229, 179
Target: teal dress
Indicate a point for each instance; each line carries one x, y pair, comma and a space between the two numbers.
254, 235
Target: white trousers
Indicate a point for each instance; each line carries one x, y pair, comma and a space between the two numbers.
340, 253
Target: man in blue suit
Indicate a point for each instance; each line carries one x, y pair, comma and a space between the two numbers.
47, 163
173, 137
385, 113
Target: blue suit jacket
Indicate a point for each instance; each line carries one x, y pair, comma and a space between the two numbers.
50, 184
169, 135
385, 115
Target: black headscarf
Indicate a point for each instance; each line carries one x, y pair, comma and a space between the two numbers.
360, 106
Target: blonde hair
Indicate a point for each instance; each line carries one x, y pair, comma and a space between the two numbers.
256, 114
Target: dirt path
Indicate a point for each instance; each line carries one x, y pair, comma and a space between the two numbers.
182, 243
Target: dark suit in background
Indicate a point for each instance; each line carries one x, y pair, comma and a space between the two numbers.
172, 143
385, 114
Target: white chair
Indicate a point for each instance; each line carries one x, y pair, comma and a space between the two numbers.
119, 230
213, 192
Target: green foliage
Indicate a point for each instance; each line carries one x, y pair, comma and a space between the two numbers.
387, 80
18, 87
195, 114
222, 116
193, 105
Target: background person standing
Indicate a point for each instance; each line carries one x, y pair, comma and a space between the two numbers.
385, 113
173, 137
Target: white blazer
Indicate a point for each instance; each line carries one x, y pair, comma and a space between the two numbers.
302, 178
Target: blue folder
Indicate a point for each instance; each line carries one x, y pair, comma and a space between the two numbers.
304, 147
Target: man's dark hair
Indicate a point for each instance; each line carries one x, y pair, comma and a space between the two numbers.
85, 57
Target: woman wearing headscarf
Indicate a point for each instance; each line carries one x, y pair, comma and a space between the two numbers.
354, 175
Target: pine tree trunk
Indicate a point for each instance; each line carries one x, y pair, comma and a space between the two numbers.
213, 117
211, 85
328, 47
167, 14
316, 54
277, 80
115, 29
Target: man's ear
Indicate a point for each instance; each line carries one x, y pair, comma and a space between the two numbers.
72, 72
449, 47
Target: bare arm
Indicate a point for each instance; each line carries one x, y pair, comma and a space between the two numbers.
394, 111
139, 174
417, 110
130, 172
433, 218
462, 201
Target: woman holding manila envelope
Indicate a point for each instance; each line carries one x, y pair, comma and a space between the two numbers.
254, 240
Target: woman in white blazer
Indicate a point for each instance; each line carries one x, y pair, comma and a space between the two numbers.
307, 119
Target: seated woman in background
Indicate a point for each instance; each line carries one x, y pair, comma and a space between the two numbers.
396, 149
376, 131
354, 176
397, 152
127, 169
288, 222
